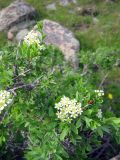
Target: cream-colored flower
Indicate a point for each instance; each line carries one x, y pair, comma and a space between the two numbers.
5, 99
99, 92
34, 38
68, 109
99, 114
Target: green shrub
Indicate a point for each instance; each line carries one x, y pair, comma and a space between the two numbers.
53, 113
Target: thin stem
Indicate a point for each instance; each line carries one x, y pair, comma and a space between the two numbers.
22, 73
103, 80
27, 86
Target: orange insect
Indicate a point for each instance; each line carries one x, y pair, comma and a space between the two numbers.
91, 102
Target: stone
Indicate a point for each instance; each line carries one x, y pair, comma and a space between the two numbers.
111, 1
10, 36
16, 12
51, 6
62, 38
22, 25
21, 34
116, 158
67, 2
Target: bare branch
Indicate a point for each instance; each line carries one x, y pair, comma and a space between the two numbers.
103, 80
22, 73
26, 86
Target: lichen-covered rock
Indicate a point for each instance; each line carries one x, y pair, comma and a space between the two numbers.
62, 38
15, 13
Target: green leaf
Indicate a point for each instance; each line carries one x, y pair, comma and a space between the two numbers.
64, 133
113, 121
27, 124
100, 132
106, 129
58, 157
78, 124
51, 112
88, 121
75, 129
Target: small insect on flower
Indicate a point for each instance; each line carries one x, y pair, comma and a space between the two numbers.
110, 96
68, 109
99, 92
5, 99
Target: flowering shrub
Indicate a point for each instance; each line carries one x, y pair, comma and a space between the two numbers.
55, 110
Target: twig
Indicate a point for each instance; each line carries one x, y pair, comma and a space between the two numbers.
106, 145
27, 86
18, 50
103, 80
85, 70
22, 73
100, 149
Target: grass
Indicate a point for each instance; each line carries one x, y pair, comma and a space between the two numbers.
5, 3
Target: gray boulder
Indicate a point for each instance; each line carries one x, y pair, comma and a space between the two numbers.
15, 13
21, 34
62, 38
116, 158
22, 25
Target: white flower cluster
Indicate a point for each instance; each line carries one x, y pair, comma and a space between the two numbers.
34, 37
100, 92
99, 114
68, 109
5, 99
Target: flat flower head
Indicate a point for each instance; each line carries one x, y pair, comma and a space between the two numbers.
99, 93
68, 109
34, 38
